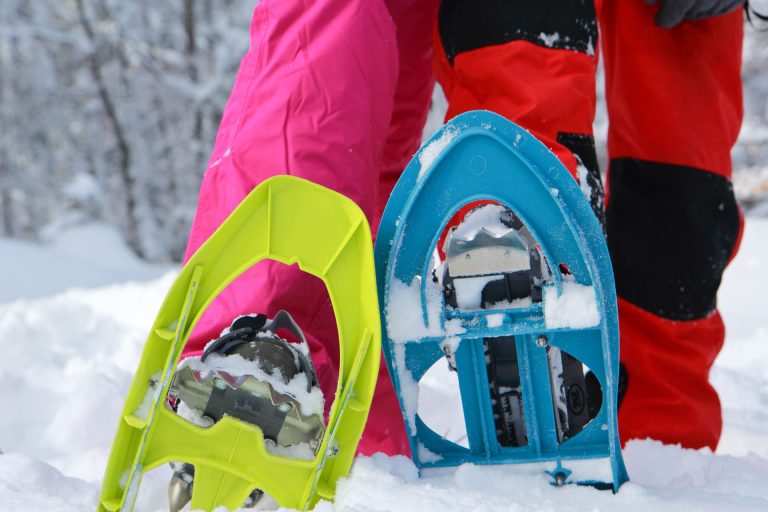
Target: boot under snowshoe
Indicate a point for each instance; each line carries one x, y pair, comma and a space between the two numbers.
256, 376
492, 261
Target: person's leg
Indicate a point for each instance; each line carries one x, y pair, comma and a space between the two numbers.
674, 101
385, 429
413, 20
313, 98
532, 62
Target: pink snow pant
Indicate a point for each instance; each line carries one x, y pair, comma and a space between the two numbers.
334, 91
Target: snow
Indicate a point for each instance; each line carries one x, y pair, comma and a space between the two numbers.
488, 218
150, 397
549, 40
740, 374
85, 256
409, 388
82, 187
425, 455
469, 290
440, 406
583, 174
27, 484
69, 357
575, 307
405, 320
666, 478
311, 402
451, 344
192, 415
432, 151
300, 451
67, 363
495, 320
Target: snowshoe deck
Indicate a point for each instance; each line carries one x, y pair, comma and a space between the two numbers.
521, 364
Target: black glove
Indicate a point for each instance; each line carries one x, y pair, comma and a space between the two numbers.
673, 12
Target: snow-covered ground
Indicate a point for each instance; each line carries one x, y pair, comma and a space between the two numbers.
68, 356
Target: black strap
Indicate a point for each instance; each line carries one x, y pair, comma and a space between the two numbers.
255, 322
229, 341
246, 328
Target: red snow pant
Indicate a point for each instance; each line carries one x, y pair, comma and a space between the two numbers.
675, 107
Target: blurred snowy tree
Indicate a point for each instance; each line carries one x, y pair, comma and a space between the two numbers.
750, 156
109, 110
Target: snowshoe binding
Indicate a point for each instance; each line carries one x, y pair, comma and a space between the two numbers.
492, 252
256, 376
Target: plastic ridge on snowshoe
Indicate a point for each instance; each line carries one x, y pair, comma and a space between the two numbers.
482, 156
289, 220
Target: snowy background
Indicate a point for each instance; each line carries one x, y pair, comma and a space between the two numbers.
83, 86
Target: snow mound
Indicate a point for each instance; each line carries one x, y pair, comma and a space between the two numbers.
433, 150
29, 485
67, 364
311, 402
664, 478
68, 360
576, 307
85, 256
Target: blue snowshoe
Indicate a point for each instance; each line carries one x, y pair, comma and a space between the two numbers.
489, 255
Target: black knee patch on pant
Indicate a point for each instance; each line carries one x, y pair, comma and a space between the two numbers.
471, 24
671, 231
583, 146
